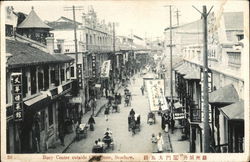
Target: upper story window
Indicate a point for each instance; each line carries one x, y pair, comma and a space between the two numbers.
240, 37
9, 31
234, 58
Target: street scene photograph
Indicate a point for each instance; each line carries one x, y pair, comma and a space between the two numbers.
105, 77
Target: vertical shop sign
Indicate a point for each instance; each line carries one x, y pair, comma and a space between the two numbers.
17, 96
79, 75
93, 65
210, 88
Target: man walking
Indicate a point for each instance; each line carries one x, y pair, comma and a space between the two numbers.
142, 90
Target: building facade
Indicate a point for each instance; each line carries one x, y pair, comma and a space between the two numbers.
37, 108
226, 86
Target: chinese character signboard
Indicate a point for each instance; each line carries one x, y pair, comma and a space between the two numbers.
17, 96
93, 65
210, 88
79, 75
105, 69
156, 97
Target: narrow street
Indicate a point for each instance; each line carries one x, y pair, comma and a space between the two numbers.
124, 141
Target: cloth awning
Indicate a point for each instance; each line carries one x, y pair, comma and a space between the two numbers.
35, 100
234, 111
224, 95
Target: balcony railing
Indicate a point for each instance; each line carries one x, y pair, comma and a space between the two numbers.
82, 47
99, 48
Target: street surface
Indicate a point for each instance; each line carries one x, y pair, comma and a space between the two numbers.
124, 141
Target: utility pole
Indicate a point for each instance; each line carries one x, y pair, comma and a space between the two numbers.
171, 51
73, 8
177, 16
206, 135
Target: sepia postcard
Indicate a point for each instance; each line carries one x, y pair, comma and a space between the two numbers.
123, 80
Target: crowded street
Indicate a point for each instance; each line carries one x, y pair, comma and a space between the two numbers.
124, 141
110, 79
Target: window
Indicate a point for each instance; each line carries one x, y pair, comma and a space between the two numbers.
50, 111
46, 77
52, 76
9, 30
234, 58
42, 119
62, 75
25, 85
33, 79
40, 80
72, 71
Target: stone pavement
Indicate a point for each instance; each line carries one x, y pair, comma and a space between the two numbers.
178, 145
69, 138
124, 141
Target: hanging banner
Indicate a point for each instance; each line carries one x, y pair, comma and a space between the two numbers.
93, 65
156, 97
79, 75
210, 88
105, 69
17, 96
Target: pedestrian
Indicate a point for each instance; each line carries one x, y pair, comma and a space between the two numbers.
91, 122
142, 90
154, 143
160, 143
106, 113
134, 80
106, 92
172, 123
61, 133
132, 112
103, 92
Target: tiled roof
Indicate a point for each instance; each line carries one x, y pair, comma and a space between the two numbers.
234, 111
233, 20
24, 54
33, 21
224, 95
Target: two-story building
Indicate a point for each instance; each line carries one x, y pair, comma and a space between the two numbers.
226, 85
94, 44
37, 106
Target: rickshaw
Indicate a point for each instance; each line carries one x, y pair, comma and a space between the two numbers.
111, 145
81, 131
137, 122
151, 118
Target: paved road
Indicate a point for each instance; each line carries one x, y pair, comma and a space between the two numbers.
124, 141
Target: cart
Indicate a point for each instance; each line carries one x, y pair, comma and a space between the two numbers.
151, 118
111, 146
137, 122
82, 131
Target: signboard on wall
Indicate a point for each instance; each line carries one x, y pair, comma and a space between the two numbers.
156, 96
105, 69
210, 88
17, 96
93, 65
79, 75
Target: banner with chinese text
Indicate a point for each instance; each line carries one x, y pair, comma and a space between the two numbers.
105, 69
155, 88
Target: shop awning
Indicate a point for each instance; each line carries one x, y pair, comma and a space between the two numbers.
224, 95
194, 74
234, 111
179, 68
35, 99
